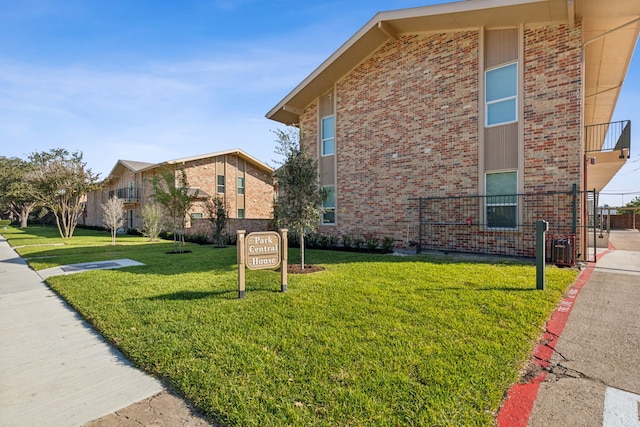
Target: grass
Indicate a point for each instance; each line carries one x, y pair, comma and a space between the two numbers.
372, 340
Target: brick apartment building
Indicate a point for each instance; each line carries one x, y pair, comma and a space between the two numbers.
455, 127
245, 184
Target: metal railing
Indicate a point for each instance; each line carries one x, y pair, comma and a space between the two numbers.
126, 194
496, 225
607, 137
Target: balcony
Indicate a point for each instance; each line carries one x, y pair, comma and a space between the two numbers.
607, 148
127, 195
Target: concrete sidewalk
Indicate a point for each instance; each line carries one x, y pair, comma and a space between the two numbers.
55, 370
594, 377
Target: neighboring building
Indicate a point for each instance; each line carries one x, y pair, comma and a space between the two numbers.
245, 184
457, 126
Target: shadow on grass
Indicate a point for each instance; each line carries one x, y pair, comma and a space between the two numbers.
471, 288
191, 295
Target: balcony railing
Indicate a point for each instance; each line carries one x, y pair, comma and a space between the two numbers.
608, 137
127, 195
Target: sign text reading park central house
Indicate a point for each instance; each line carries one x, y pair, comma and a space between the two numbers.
259, 250
263, 250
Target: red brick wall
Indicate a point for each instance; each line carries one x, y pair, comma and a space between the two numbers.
407, 126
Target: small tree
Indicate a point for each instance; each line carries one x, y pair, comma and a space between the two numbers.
174, 196
16, 193
299, 204
218, 216
113, 216
60, 181
152, 219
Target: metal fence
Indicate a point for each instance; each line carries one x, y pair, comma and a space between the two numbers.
499, 225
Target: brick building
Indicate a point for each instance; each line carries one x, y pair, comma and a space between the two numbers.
245, 184
456, 126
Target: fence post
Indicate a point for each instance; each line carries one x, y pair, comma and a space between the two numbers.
542, 227
284, 247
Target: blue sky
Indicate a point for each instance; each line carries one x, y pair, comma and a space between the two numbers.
158, 80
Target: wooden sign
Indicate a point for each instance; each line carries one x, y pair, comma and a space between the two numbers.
263, 250
259, 250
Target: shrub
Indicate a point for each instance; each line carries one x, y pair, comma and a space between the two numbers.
347, 241
371, 242
388, 244
5, 222
199, 238
358, 242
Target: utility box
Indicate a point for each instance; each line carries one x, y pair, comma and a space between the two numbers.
561, 250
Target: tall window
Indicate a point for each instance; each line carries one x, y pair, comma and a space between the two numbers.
328, 135
240, 213
502, 200
221, 184
241, 185
501, 95
329, 205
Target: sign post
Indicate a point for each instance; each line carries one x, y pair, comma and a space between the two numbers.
240, 249
261, 250
285, 257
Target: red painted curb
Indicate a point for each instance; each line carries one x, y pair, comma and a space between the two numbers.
516, 410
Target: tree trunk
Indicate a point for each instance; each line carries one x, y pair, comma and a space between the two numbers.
302, 248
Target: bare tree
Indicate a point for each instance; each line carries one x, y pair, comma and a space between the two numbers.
61, 180
152, 218
113, 216
218, 216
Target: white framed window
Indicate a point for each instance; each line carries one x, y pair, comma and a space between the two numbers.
329, 205
501, 95
221, 184
196, 215
241, 185
501, 205
328, 135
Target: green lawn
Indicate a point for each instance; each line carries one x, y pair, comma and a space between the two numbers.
372, 340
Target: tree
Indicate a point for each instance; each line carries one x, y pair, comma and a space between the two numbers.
152, 219
219, 216
61, 180
299, 204
16, 193
635, 203
113, 216
176, 198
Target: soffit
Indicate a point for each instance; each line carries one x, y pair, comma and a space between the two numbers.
384, 25
610, 32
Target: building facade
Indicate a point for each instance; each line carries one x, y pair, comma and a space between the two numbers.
439, 124
244, 183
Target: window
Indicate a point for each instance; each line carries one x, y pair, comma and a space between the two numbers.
329, 205
502, 200
501, 91
240, 213
196, 215
241, 185
221, 184
328, 138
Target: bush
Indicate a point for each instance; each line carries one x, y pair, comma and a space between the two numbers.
5, 222
358, 242
199, 238
347, 241
388, 244
371, 242
134, 232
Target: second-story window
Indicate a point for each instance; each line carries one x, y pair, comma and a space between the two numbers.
501, 95
241, 185
220, 184
328, 135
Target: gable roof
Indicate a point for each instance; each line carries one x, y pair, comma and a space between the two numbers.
606, 61
132, 165
235, 151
